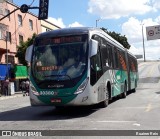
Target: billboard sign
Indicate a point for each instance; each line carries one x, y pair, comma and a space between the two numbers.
153, 32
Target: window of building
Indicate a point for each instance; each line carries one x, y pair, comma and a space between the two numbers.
1, 9
47, 29
20, 39
8, 35
7, 12
19, 20
30, 24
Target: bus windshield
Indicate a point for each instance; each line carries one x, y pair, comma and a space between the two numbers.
59, 58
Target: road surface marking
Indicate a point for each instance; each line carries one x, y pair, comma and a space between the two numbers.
151, 71
136, 124
149, 107
157, 96
115, 121
141, 107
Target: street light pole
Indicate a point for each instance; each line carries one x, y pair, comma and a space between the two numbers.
143, 43
97, 21
7, 54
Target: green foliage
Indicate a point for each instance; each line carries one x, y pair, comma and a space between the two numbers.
118, 37
21, 49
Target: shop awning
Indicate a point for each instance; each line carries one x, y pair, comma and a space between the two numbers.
20, 72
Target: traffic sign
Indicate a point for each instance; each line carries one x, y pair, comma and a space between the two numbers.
43, 9
153, 32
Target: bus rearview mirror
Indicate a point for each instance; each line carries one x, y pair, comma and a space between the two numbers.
28, 53
93, 47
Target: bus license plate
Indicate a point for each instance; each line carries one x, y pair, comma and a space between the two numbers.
56, 100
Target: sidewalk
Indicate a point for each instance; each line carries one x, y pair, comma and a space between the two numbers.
17, 94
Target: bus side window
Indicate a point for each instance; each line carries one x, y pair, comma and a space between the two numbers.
93, 74
122, 61
96, 68
104, 53
117, 61
110, 56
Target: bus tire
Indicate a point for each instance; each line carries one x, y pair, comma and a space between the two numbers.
134, 90
124, 94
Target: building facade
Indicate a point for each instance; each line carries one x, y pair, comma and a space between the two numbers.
17, 27
47, 26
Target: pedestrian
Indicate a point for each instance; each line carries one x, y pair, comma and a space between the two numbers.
0, 88
27, 88
23, 88
5, 87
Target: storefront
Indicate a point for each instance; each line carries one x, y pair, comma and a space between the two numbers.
16, 74
4, 73
21, 74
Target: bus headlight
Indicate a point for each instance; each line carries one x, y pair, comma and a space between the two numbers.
82, 86
34, 91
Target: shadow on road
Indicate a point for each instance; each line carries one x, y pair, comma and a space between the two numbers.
51, 113
46, 113
158, 93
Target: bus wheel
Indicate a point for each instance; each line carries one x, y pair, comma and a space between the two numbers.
134, 90
105, 103
125, 91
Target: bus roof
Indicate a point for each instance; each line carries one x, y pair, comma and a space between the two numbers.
66, 31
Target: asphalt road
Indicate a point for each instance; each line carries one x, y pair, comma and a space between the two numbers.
139, 111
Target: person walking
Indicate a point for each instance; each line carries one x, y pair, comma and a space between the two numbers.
27, 88
1, 88
23, 88
5, 87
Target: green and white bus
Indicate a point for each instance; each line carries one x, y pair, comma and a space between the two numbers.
79, 66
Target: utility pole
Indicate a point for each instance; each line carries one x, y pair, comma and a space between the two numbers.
7, 55
143, 44
97, 21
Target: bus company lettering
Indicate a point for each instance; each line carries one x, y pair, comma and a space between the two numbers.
47, 93
56, 85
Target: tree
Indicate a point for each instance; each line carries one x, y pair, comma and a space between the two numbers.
118, 37
22, 49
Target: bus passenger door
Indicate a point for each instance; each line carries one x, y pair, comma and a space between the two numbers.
96, 69
117, 73
96, 73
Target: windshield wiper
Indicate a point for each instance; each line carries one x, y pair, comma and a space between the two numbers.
59, 75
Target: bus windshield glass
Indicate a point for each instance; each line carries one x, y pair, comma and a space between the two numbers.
59, 58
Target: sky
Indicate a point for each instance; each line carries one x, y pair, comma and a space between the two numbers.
126, 17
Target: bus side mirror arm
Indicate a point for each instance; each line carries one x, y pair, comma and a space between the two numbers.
28, 53
93, 47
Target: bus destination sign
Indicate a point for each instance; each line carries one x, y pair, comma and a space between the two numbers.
60, 40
